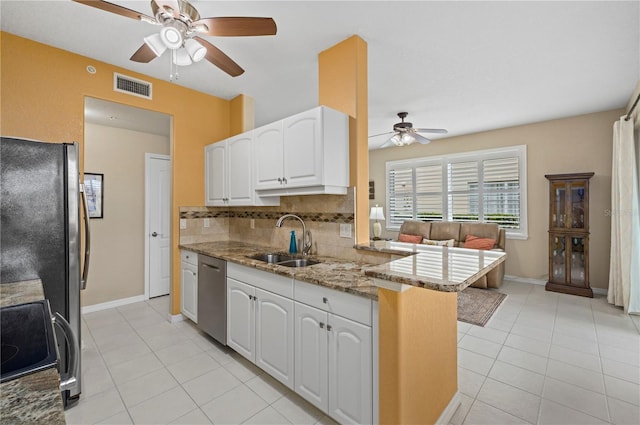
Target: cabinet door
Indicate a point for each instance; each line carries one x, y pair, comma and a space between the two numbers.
274, 336
303, 149
350, 371
239, 154
268, 159
241, 318
311, 375
189, 293
215, 174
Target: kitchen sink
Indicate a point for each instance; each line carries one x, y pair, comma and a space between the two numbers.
284, 260
28, 344
272, 258
298, 262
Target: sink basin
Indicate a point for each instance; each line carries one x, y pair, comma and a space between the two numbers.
299, 262
28, 344
284, 260
272, 258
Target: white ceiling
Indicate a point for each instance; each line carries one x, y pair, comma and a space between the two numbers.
464, 66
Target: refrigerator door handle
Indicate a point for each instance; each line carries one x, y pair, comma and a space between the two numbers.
87, 239
69, 379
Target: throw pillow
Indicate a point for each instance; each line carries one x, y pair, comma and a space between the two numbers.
403, 237
476, 242
447, 242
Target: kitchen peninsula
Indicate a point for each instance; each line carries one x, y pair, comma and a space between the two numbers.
414, 324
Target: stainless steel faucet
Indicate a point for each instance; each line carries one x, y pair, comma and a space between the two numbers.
306, 234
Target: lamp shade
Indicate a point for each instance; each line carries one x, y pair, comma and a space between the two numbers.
156, 44
376, 213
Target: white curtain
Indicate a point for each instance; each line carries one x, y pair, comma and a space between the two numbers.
624, 274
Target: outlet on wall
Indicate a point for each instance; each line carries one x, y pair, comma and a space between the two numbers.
252, 223
206, 222
183, 223
345, 230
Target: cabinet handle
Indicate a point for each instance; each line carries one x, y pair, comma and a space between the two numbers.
284, 180
280, 180
329, 327
325, 300
321, 325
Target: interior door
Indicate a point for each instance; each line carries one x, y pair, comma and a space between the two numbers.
159, 208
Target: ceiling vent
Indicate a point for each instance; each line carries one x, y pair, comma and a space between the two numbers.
130, 85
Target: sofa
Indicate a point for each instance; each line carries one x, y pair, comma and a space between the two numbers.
456, 234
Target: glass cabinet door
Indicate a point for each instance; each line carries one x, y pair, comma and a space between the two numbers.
577, 205
558, 259
577, 261
558, 206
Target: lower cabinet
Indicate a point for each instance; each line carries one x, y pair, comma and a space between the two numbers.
334, 364
189, 284
260, 328
315, 340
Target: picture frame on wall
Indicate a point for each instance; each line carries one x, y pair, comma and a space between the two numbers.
94, 189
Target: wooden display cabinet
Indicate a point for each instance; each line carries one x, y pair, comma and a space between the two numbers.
569, 234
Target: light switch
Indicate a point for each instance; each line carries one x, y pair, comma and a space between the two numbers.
183, 223
345, 230
207, 222
252, 223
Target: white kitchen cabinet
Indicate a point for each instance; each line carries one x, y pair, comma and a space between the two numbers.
241, 318
260, 328
189, 284
228, 173
307, 153
274, 336
334, 364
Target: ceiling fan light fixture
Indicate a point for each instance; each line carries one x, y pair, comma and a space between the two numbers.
407, 139
181, 58
156, 44
396, 140
196, 51
171, 37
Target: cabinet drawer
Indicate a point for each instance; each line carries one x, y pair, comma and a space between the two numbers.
264, 280
346, 305
189, 257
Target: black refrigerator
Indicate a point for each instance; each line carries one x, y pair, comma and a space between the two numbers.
40, 236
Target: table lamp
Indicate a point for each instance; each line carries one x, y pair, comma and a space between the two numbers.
376, 214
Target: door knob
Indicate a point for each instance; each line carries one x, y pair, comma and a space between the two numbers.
154, 234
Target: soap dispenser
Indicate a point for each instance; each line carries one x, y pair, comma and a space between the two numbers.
293, 246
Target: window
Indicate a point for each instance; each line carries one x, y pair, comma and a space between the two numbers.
487, 186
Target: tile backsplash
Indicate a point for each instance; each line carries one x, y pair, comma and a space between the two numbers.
322, 214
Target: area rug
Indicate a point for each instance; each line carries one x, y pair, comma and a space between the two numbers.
476, 306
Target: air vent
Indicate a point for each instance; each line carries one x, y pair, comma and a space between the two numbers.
130, 85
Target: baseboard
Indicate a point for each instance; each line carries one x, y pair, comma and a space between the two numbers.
111, 304
450, 410
175, 318
599, 291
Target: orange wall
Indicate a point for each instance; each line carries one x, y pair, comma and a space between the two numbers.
43, 91
343, 82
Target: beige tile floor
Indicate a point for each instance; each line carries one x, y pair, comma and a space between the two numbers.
543, 358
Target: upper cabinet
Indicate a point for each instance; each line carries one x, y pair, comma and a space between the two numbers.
304, 154
229, 173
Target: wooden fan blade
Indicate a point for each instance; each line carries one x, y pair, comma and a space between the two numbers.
382, 134
420, 139
431, 130
238, 26
219, 59
144, 54
170, 6
114, 8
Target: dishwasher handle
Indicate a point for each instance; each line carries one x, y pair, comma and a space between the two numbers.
215, 268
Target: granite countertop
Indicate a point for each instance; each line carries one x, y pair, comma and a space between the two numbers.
435, 267
33, 398
334, 273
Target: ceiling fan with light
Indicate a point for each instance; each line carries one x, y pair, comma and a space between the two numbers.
405, 134
181, 24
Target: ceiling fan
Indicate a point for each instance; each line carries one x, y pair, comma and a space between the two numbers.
405, 134
181, 23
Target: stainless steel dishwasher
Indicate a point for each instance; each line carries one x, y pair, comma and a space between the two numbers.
212, 297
